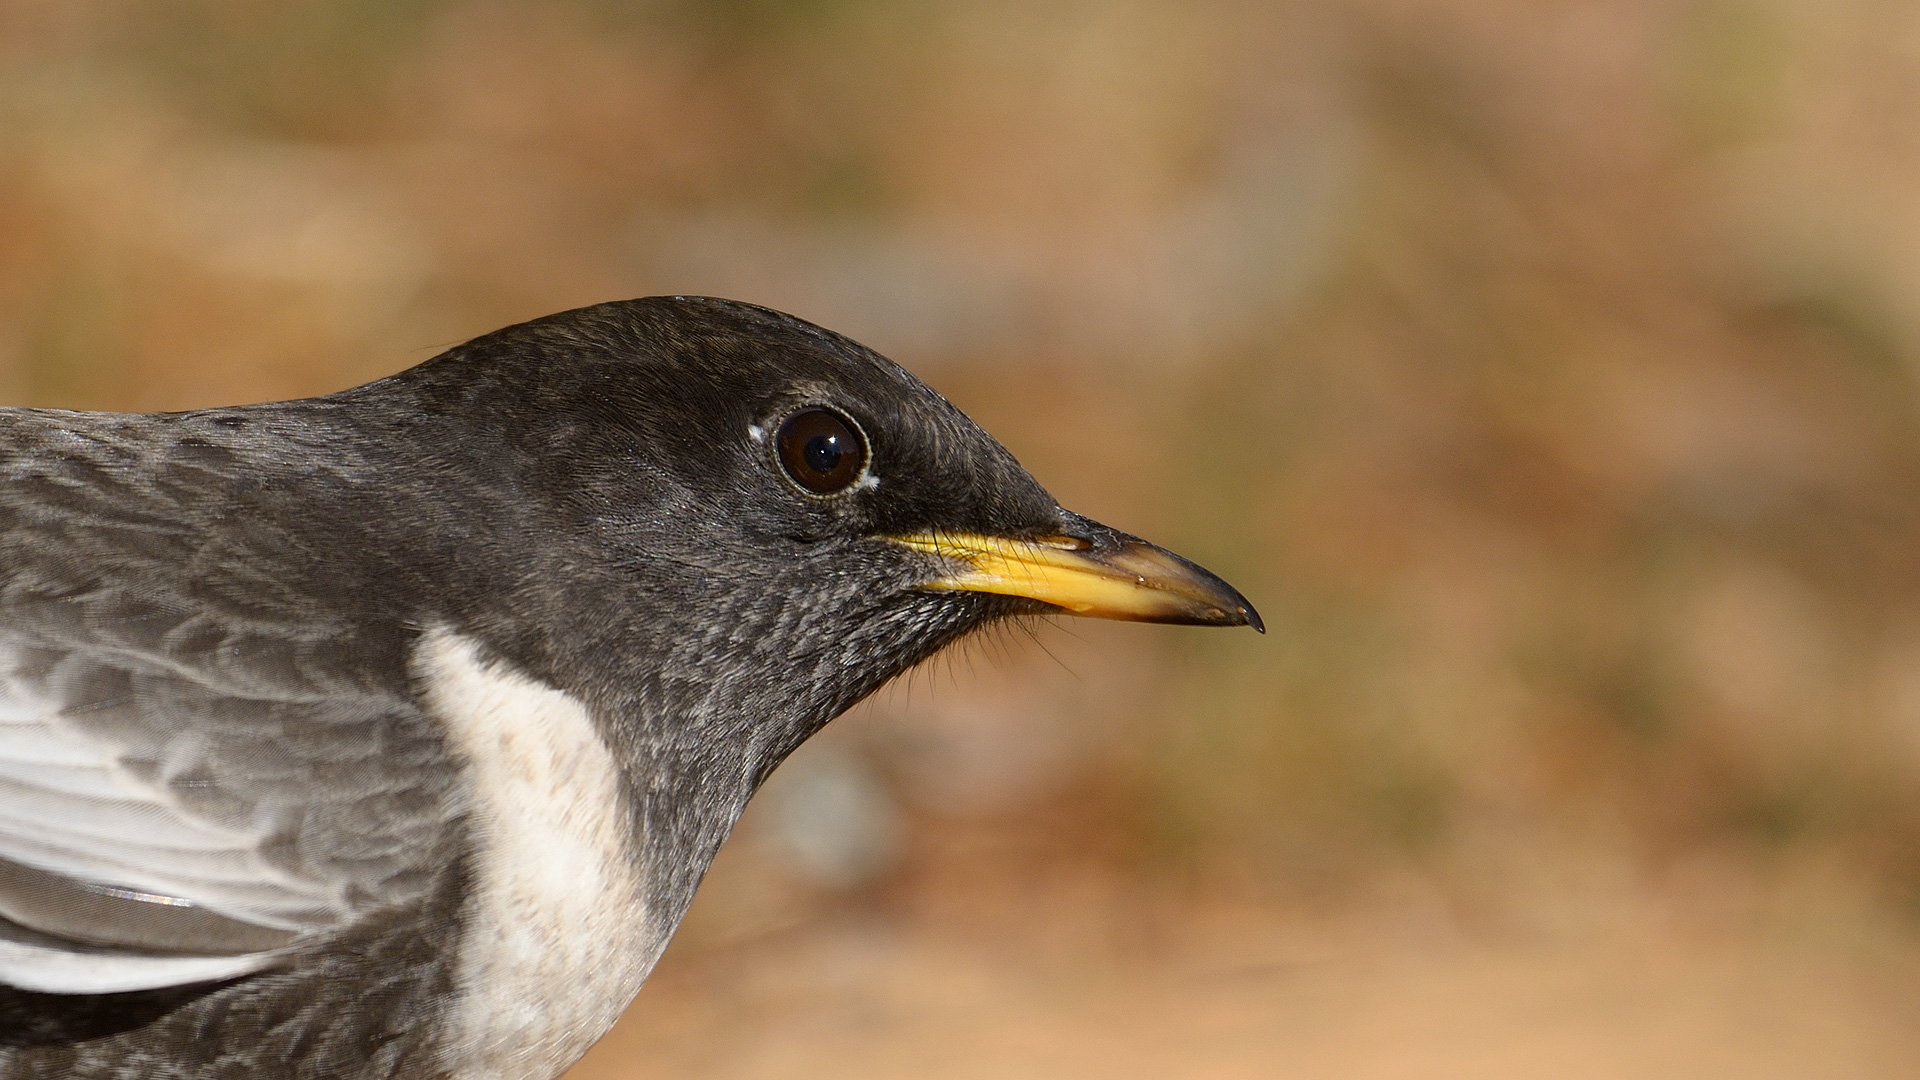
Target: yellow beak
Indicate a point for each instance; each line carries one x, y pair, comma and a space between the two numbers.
1112, 576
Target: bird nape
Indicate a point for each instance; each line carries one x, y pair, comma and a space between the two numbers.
389, 733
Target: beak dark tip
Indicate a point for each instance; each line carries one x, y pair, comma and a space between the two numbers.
1252, 618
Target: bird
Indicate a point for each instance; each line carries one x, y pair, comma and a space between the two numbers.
389, 733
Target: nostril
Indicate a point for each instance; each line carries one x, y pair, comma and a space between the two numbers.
1075, 533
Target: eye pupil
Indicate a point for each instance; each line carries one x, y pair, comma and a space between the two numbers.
822, 453
821, 450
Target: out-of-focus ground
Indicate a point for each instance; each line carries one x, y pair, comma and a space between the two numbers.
1249, 993
1548, 373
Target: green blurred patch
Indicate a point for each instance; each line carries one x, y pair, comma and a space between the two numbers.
1727, 62
76, 343
293, 69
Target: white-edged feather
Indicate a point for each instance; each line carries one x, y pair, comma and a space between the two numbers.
48, 970
69, 807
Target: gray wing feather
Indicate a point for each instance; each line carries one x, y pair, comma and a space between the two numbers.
281, 818
202, 767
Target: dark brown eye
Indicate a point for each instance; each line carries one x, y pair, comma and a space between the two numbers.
821, 450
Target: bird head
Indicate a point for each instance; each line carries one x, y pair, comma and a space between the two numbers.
750, 522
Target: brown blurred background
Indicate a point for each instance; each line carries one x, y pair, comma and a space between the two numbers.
1547, 372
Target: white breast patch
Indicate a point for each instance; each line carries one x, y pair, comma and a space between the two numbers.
556, 938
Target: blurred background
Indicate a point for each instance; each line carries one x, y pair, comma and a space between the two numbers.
1547, 372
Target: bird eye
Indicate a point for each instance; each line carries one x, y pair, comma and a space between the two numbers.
821, 450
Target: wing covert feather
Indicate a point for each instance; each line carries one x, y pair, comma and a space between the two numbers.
200, 754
